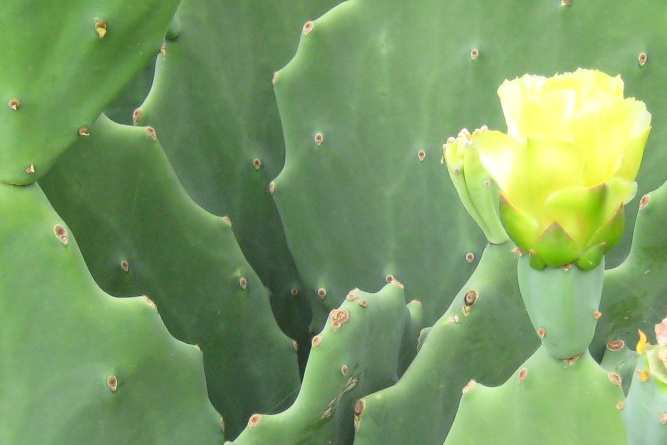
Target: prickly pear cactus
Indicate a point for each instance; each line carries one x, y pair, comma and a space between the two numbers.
362, 130
363, 199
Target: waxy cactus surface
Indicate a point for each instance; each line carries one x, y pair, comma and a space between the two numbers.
315, 176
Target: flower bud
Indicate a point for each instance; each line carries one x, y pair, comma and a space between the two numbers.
475, 187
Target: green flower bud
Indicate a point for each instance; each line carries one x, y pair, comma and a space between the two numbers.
476, 190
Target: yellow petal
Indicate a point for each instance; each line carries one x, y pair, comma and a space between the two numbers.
641, 344
632, 156
548, 115
497, 151
512, 94
609, 85
643, 375
545, 167
606, 133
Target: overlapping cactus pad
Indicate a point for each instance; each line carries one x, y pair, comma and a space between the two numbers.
79, 366
314, 176
145, 236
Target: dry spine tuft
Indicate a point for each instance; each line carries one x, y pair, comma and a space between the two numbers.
572, 360
61, 233
151, 132
471, 384
254, 420
359, 408
615, 345
338, 317
397, 283
615, 378
644, 201
112, 383
136, 116
149, 302
469, 300
101, 28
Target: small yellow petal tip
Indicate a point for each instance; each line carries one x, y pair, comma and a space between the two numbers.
641, 344
643, 375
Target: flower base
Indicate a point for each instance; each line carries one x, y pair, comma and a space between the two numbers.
562, 304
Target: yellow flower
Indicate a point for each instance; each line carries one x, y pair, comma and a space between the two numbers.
567, 165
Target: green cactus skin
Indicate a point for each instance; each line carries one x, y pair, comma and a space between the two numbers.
142, 234
213, 105
79, 366
363, 193
414, 325
487, 344
121, 109
546, 401
635, 293
562, 304
382, 80
620, 359
356, 353
645, 410
62, 63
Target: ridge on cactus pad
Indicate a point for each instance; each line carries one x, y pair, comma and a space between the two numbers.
142, 234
